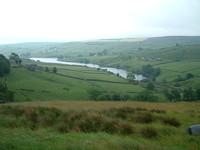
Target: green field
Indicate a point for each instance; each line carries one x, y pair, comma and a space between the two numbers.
175, 56
88, 125
55, 111
69, 83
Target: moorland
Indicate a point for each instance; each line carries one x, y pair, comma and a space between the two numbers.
54, 106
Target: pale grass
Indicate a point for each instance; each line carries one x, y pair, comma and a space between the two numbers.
102, 105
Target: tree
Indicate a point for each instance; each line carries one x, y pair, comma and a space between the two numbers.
94, 94
173, 95
198, 93
176, 95
131, 77
150, 86
47, 69
14, 58
189, 75
149, 71
179, 79
54, 70
103, 97
146, 96
189, 94
124, 97
116, 97
4, 65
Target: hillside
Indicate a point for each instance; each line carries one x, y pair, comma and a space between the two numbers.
175, 56
87, 125
100, 47
69, 83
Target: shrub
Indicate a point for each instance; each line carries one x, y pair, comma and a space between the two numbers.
123, 112
127, 110
149, 132
158, 111
126, 129
47, 117
92, 123
31, 116
111, 126
10, 123
62, 127
171, 121
143, 118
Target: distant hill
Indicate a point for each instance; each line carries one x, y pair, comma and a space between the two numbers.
168, 41
96, 47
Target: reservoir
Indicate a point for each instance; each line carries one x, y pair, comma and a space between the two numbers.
122, 73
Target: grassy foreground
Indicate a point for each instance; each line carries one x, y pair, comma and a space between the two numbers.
92, 125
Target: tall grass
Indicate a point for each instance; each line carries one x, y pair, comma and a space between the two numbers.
114, 121
109, 128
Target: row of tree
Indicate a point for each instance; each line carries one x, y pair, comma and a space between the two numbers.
7, 95
188, 94
97, 95
146, 70
142, 96
187, 77
54, 69
5, 63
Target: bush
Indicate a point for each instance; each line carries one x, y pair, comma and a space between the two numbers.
111, 126
149, 132
143, 118
158, 111
126, 129
171, 121
62, 127
92, 123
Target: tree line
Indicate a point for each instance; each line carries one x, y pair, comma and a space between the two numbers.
187, 94
4, 65
6, 95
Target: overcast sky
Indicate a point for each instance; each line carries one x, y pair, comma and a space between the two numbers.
69, 20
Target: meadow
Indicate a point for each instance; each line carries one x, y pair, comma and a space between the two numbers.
88, 125
69, 83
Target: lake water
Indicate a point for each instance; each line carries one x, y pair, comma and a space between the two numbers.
121, 72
